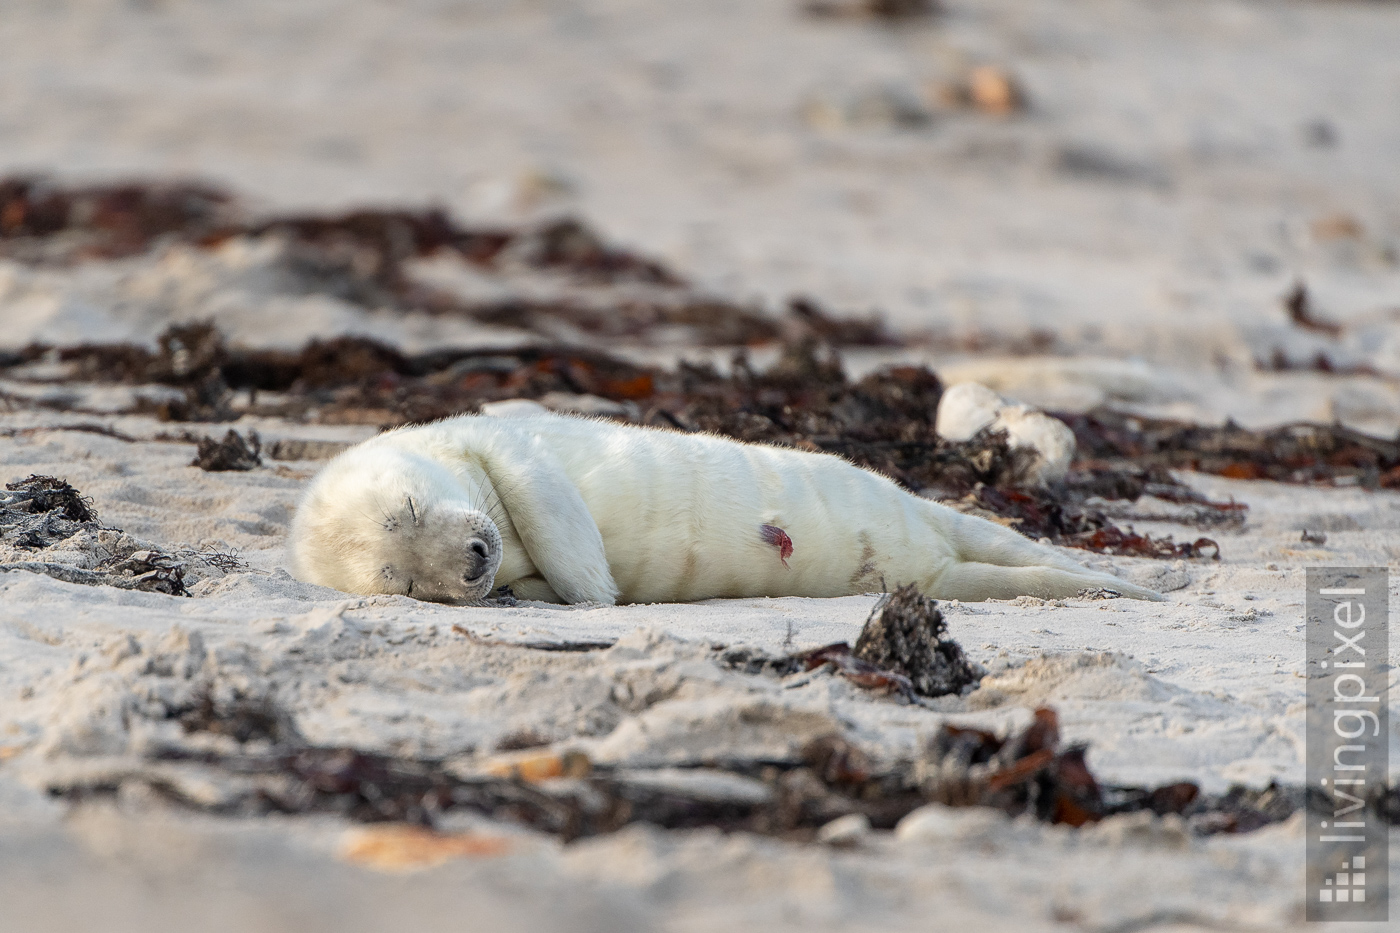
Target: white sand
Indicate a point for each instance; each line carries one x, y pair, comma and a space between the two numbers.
1189, 208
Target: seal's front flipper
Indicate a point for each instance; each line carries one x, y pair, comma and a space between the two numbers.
553, 522
536, 589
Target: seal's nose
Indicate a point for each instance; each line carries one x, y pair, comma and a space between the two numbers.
479, 559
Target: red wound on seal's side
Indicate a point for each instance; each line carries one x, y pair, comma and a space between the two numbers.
775, 536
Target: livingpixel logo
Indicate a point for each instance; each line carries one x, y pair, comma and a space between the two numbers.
1344, 886
1348, 732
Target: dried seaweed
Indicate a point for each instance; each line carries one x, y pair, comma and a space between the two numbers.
906, 634
809, 321
902, 649
886, 10
41, 221
102, 429
40, 519
43, 494
1062, 514
1298, 304
1026, 772
345, 378
749, 660
521, 739
300, 449
242, 718
1321, 362
233, 452
1114, 540
1293, 453
840, 658
166, 576
1242, 809
151, 571
363, 257
568, 244
40, 512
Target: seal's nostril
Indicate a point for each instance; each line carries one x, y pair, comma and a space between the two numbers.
480, 561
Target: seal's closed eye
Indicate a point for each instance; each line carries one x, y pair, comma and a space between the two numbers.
390, 521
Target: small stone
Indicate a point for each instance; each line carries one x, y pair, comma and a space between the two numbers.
396, 847
845, 831
1337, 227
582, 404
937, 823
965, 409
987, 88
514, 408
969, 408
994, 91
871, 108
1142, 828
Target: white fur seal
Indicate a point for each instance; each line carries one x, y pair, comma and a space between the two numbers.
573, 510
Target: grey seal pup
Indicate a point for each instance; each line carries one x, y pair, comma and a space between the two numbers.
574, 510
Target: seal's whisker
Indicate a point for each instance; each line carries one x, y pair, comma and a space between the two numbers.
496, 509
372, 520
388, 518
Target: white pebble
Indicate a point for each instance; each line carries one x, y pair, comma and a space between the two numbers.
938, 823
965, 409
845, 831
969, 407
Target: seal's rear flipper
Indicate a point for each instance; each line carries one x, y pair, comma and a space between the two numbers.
995, 562
971, 582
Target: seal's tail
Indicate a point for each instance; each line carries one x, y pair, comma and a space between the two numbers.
995, 562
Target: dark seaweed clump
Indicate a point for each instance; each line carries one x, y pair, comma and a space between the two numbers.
50, 497
233, 452
886, 10
906, 634
1313, 454
903, 648
40, 514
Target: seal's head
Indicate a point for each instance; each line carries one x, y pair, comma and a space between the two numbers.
382, 520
